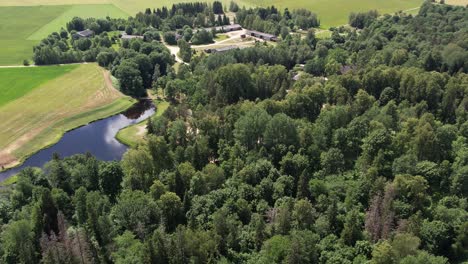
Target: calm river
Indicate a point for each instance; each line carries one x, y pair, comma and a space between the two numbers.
97, 138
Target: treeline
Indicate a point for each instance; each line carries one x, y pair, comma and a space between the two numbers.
364, 162
271, 20
61, 48
432, 41
194, 15
361, 20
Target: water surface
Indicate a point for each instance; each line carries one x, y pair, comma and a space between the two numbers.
97, 138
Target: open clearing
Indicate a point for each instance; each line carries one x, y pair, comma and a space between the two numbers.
40, 117
16, 82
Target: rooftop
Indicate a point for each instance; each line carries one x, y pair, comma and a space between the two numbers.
126, 36
261, 34
85, 33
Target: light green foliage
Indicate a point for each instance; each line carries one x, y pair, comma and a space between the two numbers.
129, 249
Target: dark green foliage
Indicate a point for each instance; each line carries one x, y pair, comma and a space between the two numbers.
362, 159
361, 20
202, 37
130, 78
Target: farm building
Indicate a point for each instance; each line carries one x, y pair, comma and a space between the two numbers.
233, 27
262, 35
221, 50
84, 34
126, 36
227, 28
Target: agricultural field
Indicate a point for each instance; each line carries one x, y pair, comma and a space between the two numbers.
16, 29
16, 82
129, 6
61, 99
21, 34
85, 11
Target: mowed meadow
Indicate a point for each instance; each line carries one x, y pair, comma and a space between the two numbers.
50, 101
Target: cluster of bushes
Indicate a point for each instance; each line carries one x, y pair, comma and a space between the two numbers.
60, 48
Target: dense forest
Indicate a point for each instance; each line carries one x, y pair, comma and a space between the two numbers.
363, 158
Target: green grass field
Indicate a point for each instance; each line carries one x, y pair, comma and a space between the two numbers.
23, 26
85, 11
129, 6
131, 135
17, 24
16, 82
43, 114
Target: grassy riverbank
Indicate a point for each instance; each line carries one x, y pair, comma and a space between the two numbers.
39, 118
131, 135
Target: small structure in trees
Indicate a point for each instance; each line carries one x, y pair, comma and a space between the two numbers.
221, 50
261, 35
88, 33
126, 36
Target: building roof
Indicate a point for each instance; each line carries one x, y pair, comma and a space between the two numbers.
223, 28
233, 26
126, 36
223, 49
258, 33
85, 33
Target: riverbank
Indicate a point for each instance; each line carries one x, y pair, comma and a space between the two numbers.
133, 134
40, 118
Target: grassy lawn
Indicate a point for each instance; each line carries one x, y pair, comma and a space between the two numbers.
9, 181
220, 37
16, 82
41, 116
84, 11
323, 34
131, 135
